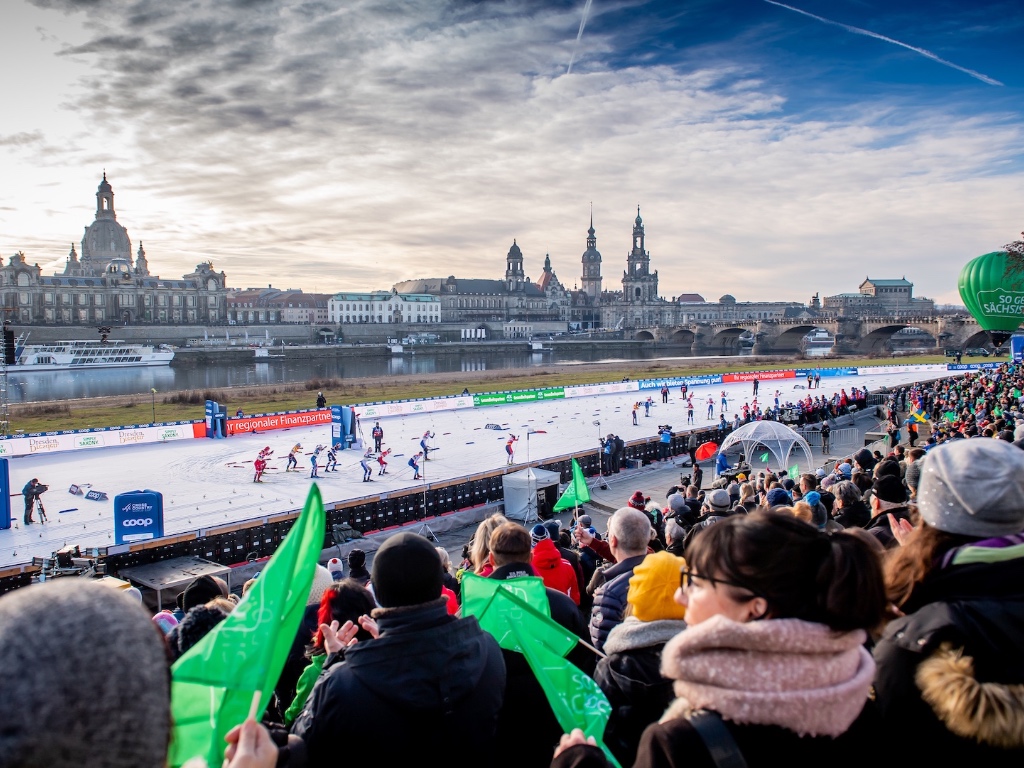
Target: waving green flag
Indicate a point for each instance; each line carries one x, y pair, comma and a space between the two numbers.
576, 493
517, 613
214, 684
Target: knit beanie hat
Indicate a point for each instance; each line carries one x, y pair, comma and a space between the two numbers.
406, 571
973, 488
337, 570
114, 656
584, 521
653, 585
197, 624
676, 502
719, 500
554, 529
637, 501
165, 621
356, 559
865, 459
777, 497
887, 467
199, 592
846, 469
889, 488
322, 579
538, 534
913, 476
813, 498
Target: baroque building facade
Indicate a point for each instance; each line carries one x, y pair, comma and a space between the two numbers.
105, 285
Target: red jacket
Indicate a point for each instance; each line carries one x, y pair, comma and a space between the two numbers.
556, 572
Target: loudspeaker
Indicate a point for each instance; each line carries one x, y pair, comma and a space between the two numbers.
10, 353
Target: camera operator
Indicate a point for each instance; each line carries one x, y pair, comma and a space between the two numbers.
32, 490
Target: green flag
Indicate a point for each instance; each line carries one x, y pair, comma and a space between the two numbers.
793, 471
949, 416
764, 457
517, 613
480, 598
213, 685
576, 493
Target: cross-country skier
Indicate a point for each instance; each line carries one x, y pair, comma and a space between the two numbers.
293, 460
725, 402
259, 465
647, 406
313, 461
415, 464
365, 464
332, 458
428, 435
378, 435
636, 407
711, 408
382, 461
510, 445
689, 411
664, 393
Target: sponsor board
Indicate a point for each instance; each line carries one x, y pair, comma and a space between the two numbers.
380, 410
972, 366
920, 368
586, 390
522, 396
29, 445
678, 381
825, 372
732, 378
277, 421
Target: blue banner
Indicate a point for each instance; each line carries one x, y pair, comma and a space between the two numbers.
138, 516
678, 381
973, 366
801, 373
5, 494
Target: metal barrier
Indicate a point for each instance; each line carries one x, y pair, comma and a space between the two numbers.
845, 436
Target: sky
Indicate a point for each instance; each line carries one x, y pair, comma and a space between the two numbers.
775, 149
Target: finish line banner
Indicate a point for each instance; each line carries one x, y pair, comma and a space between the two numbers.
678, 381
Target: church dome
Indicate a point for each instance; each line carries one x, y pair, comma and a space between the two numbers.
727, 299
104, 185
514, 252
592, 256
104, 241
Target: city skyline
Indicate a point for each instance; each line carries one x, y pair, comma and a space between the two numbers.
776, 150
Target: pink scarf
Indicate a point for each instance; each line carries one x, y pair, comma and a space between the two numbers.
795, 674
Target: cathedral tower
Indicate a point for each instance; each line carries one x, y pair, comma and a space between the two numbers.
639, 284
591, 281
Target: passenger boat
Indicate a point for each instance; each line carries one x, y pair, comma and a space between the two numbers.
75, 355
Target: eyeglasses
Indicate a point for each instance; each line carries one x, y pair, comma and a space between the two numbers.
686, 579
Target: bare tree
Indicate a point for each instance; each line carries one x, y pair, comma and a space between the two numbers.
1016, 252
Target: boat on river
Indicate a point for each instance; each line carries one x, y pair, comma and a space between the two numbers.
77, 355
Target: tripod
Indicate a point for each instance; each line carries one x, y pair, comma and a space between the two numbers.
426, 532
37, 503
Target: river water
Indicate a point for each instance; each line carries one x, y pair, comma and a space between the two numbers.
63, 385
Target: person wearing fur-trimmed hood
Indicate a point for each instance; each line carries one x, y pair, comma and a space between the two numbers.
950, 672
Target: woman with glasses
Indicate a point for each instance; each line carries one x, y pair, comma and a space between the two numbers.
772, 666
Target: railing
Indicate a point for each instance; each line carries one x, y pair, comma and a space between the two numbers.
845, 436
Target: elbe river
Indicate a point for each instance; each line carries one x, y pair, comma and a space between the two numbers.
64, 385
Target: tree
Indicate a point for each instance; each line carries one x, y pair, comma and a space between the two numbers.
1015, 263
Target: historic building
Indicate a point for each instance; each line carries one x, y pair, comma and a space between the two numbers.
880, 297
384, 307
276, 306
516, 299
105, 285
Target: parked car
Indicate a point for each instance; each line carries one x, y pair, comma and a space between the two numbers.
977, 352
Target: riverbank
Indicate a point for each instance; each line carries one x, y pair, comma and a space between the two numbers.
179, 406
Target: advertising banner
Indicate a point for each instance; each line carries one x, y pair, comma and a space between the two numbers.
409, 407
801, 373
917, 368
731, 378
586, 390
277, 421
50, 442
138, 516
5, 495
522, 396
678, 381
972, 366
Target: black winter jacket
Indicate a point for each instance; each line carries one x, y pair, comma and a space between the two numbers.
427, 676
610, 598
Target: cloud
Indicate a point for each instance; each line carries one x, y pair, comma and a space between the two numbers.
349, 146
21, 139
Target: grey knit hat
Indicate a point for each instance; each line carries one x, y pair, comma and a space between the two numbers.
85, 674
913, 476
973, 487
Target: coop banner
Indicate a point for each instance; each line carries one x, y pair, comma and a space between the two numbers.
410, 407
269, 421
587, 390
874, 370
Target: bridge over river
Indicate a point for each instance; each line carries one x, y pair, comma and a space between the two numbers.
854, 335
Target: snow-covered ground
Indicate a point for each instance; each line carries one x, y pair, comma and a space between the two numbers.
207, 483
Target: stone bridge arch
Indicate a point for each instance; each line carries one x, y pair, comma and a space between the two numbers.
876, 341
726, 341
682, 336
790, 340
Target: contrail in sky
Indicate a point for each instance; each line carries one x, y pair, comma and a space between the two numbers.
868, 33
583, 23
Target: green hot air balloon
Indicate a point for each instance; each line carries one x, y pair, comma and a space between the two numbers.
992, 289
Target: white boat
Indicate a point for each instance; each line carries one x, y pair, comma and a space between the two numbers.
74, 355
